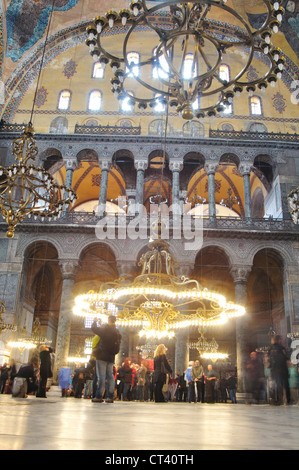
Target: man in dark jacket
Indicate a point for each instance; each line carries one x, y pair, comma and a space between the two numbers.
45, 370
106, 350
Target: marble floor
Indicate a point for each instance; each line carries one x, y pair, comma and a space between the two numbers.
57, 423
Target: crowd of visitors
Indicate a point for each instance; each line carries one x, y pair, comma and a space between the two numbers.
270, 378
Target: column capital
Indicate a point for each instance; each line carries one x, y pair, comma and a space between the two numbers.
70, 164
69, 268
105, 165
210, 167
141, 164
240, 273
245, 168
176, 166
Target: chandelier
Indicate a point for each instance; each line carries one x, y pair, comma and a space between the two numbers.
175, 52
27, 190
5, 326
157, 301
293, 201
30, 341
207, 349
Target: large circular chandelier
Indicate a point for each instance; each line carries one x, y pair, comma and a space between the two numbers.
158, 302
27, 190
175, 52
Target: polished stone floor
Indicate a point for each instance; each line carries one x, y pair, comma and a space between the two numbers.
58, 423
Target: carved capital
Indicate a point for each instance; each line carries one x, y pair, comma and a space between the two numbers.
141, 165
105, 165
176, 166
240, 274
210, 167
245, 168
70, 164
69, 268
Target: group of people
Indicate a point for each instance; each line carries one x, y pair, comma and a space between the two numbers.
31, 378
271, 377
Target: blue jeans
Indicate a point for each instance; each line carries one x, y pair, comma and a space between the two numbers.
105, 369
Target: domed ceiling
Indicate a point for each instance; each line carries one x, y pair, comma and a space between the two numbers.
68, 65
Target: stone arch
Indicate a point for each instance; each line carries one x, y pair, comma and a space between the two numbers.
97, 264
266, 295
41, 285
230, 158
50, 157
193, 162
87, 155
123, 159
266, 166
212, 268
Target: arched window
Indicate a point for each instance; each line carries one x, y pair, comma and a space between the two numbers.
255, 104
126, 104
159, 104
133, 59
224, 73
161, 67
64, 100
95, 100
98, 70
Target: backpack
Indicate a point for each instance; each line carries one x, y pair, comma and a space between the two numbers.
95, 344
19, 387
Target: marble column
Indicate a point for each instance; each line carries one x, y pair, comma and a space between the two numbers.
105, 168
181, 351
70, 166
210, 168
141, 166
175, 167
68, 271
244, 169
240, 275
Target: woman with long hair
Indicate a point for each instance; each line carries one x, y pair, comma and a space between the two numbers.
161, 369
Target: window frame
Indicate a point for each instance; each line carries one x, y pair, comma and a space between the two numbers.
252, 105
89, 98
60, 97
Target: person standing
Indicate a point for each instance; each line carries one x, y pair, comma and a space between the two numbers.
64, 379
45, 370
198, 385
141, 374
279, 371
108, 347
211, 378
125, 374
161, 369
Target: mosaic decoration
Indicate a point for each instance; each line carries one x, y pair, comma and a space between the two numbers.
279, 103
70, 68
26, 23
227, 127
96, 180
41, 96
252, 74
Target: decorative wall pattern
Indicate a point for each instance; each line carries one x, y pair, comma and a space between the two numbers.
279, 103
70, 68
26, 22
41, 96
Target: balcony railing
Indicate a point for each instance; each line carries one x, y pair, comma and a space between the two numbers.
91, 219
243, 135
129, 131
